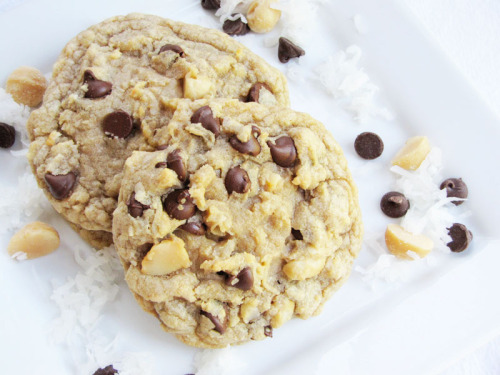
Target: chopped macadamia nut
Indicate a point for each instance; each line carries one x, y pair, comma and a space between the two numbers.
261, 17
413, 153
399, 242
168, 256
33, 240
26, 85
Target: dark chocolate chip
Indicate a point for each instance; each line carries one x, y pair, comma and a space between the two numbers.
297, 234
255, 131
268, 331
179, 204
219, 326
95, 87
394, 204
135, 208
108, 370
161, 164
172, 47
198, 229
205, 116
254, 93
161, 147
7, 135
60, 186
243, 281
460, 237
175, 163
456, 188
118, 124
210, 4
237, 180
236, 27
283, 151
288, 50
369, 145
250, 147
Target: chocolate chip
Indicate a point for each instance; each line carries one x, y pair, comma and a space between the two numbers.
243, 281
394, 204
179, 204
161, 147
236, 27
175, 163
268, 331
205, 116
254, 93
250, 147
161, 164
7, 135
95, 87
297, 234
135, 208
288, 50
283, 151
198, 229
60, 186
172, 47
460, 237
255, 131
219, 326
369, 145
456, 188
108, 370
118, 124
210, 4
237, 180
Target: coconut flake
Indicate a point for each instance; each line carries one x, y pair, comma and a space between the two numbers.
218, 362
230, 7
19, 256
349, 84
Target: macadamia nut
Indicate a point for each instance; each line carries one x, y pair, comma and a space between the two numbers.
26, 85
413, 153
166, 257
399, 241
261, 17
33, 240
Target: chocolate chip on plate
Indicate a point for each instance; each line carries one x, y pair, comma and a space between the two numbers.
7, 135
118, 124
250, 147
108, 370
198, 229
254, 93
455, 188
205, 116
369, 145
237, 180
219, 326
283, 151
175, 163
394, 204
235, 27
135, 208
60, 186
179, 204
288, 50
243, 280
96, 88
297, 234
172, 47
460, 237
210, 4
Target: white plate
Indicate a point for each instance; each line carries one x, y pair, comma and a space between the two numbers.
416, 327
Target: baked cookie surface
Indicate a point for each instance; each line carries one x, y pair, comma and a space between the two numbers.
232, 230
106, 99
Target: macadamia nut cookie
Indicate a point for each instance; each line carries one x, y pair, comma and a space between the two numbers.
248, 217
106, 98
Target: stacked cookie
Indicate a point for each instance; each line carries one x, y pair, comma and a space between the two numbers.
230, 212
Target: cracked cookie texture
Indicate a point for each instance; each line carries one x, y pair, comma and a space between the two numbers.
229, 231
106, 99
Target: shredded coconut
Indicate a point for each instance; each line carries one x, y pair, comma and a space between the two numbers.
230, 7
218, 362
348, 83
14, 114
20, 255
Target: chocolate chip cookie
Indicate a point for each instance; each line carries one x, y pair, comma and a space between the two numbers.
246, 218
106, 99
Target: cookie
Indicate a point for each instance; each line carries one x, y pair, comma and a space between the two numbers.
229, 232
98, 239
106, 99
